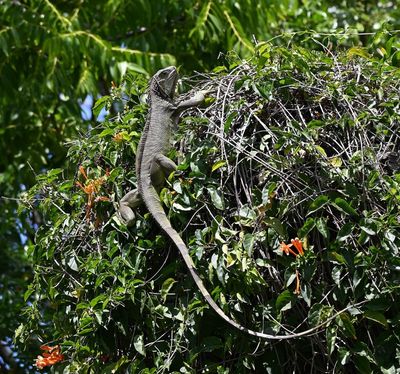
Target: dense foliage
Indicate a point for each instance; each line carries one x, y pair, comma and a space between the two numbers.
290, 144
57, 55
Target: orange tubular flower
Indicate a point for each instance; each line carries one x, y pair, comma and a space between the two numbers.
286, 248
298, 245
49, 357
91, 187
82, 171
297, 290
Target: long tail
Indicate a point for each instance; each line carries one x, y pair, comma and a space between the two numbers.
153, 204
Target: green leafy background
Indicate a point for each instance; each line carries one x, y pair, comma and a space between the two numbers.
291, 143
58, 57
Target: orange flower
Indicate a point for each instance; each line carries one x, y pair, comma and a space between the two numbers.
286, 248
297, 290
91, 187
82, 171
118, 138
297, 244
49, 357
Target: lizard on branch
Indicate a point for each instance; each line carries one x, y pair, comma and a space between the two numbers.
152, 167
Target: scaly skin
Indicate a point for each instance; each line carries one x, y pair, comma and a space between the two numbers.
152, 167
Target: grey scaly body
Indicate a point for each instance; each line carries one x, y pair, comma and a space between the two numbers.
152, 167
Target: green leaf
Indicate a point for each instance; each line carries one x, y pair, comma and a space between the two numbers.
28, 292
336, 257
284, 301
322, 227
307, 227
201, 21
321, 151
125, 67
291, 279
66, 186
138, 343
315, 123
116, 367
358, 51
100, 104
218, 164
376, 317
19, 331
217, 197
345, 231
306, 293
318, 203
331, 335
336, 162
99, 316
86, 326
369, 226
97, 299
166, 287
344, 355
363, 238
229, 120
319, 313
276, 225
336, 274
396, 59
55, 171
345, 207
73, 264
177, 186
106, 132
248, 244
237, 29
113, 157
211, 343
268, 192
3, 45
362, 364
347, 324
379, 304
247, 214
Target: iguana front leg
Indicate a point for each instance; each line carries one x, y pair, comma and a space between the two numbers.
196, 100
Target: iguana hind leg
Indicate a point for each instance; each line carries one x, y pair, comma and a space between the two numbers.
129, 202
162, 167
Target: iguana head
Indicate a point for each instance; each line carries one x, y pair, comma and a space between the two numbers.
164, 82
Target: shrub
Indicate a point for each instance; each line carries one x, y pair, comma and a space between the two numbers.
291, 144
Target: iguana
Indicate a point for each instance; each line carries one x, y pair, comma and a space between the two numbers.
152, 167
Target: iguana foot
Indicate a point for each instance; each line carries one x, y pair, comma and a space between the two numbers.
129, 202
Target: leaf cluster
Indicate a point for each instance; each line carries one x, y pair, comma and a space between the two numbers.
56, 56
290, 144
